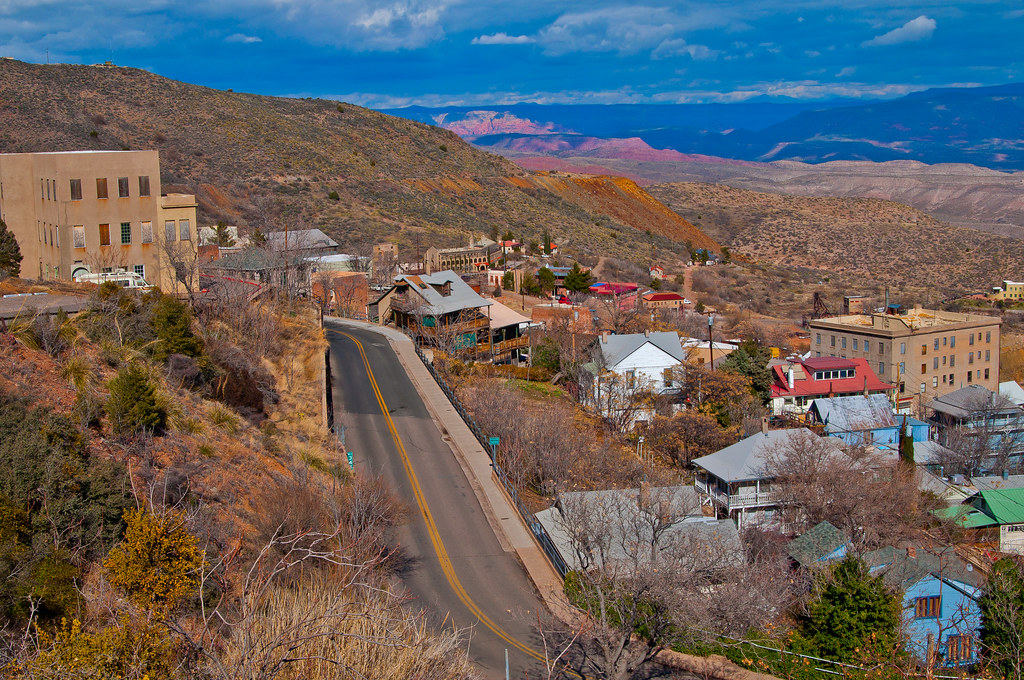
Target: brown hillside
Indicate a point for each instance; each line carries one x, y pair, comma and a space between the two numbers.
261, 161
860, 239
622, 200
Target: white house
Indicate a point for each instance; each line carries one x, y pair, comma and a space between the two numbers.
626, 366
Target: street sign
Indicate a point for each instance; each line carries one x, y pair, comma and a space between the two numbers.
495, 441
351, 461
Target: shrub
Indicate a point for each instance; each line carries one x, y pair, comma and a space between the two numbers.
224, 419
132, 406
157, 564
334, 196
172, 324
10, 253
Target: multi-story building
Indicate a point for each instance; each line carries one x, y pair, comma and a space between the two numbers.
1010, 290
76, 212
925, 353
477, 257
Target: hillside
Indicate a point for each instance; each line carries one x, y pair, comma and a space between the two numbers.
859, 238
259, 161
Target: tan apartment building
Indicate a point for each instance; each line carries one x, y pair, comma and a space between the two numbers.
76, 212
926, 353
1010, 290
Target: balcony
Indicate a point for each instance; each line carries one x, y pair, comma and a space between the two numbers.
504, 346
732, 502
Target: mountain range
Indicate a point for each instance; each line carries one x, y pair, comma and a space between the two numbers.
982, 126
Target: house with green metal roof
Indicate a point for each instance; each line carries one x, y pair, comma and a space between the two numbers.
818, 546
1003, 508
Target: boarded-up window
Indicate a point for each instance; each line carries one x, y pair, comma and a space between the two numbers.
101, 187
122, 187
147, 232
186, 230
78, 232
104, 234
143, 185
958, 648
170, 231
76, 190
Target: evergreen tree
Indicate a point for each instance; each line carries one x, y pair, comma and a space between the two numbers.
222, 237
546, 279
508, 281
852, 615
547, 242
172, 324
10, 253
132, 404
1002, 619
906, 444
751, 360
578, 280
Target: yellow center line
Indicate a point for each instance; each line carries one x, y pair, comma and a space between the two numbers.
435, 536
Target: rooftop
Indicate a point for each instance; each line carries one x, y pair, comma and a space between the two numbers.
747, 459
855, 413
461, 296
299, 239
805, 384
616, 348
816, 544
916, 319
971, 401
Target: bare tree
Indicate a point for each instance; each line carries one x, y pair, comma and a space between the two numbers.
182, 260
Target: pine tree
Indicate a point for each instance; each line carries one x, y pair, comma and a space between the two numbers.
10, 253
1002, 619
578, 280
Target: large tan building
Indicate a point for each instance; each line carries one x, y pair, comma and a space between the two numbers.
77, 212
926, 353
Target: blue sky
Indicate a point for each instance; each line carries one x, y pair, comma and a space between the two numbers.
479, 52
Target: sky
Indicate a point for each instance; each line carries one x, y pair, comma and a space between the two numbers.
388, 53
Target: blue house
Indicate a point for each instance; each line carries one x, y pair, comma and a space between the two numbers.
864, 420
940, 601
819, 546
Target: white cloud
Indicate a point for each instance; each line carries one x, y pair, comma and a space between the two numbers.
914, 30
502, 39
846, 71
242, 38
677, 47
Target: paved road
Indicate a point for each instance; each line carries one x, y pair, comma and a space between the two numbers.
457, 569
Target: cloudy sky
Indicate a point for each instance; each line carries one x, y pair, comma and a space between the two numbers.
471, 52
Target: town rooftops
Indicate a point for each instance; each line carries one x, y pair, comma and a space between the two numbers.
608, 288
502, 316
663, 297
818, 544
299, 239
430, 287
616, 348
912, 321
747, 459
903, 567
823, 376
971, 400
1012, 391
855, 413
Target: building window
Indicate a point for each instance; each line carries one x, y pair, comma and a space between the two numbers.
844, 343
924, 350
817, 339
944, 341
867, 345
126, 233
184, 227
988, 336
140, 269
170, 231
922, 388
143, 185
935, 362
101, 187
950, 378
936, 344
855, 343
833, 341
970, 340
986, 374
903, 348
881, 368
881, 348
958, 648
952, 341
988, 355
147, 232
104, 234
935, 380
903, 367
903, 387
969, 376
78, 235
122, 187
76, 190
56, 236
924, 368
927, 607
970, 358
47, 190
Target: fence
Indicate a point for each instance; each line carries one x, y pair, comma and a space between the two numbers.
539, 532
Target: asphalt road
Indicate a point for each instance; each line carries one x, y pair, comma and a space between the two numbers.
456, 569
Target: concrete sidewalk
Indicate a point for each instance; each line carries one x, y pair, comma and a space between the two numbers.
501, 513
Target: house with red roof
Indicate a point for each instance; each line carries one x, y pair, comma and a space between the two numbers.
798, 382
667, 300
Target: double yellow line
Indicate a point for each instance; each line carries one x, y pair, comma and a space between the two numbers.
435, 536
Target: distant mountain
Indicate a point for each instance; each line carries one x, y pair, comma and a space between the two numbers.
982, 126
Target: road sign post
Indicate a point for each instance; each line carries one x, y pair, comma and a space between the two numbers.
351, 461
494, 441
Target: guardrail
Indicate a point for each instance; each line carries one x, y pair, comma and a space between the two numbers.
538, 530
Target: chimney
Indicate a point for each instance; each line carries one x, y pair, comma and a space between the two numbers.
791, 378
1006, 474
604, 337
865, 387
647, 333
764, 425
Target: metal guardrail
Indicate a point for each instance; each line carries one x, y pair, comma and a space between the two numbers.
538, 530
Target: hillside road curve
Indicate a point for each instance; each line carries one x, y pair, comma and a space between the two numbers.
456, 567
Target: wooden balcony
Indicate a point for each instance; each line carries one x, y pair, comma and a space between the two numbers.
504, 346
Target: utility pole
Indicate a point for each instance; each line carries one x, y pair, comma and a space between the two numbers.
711, 342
